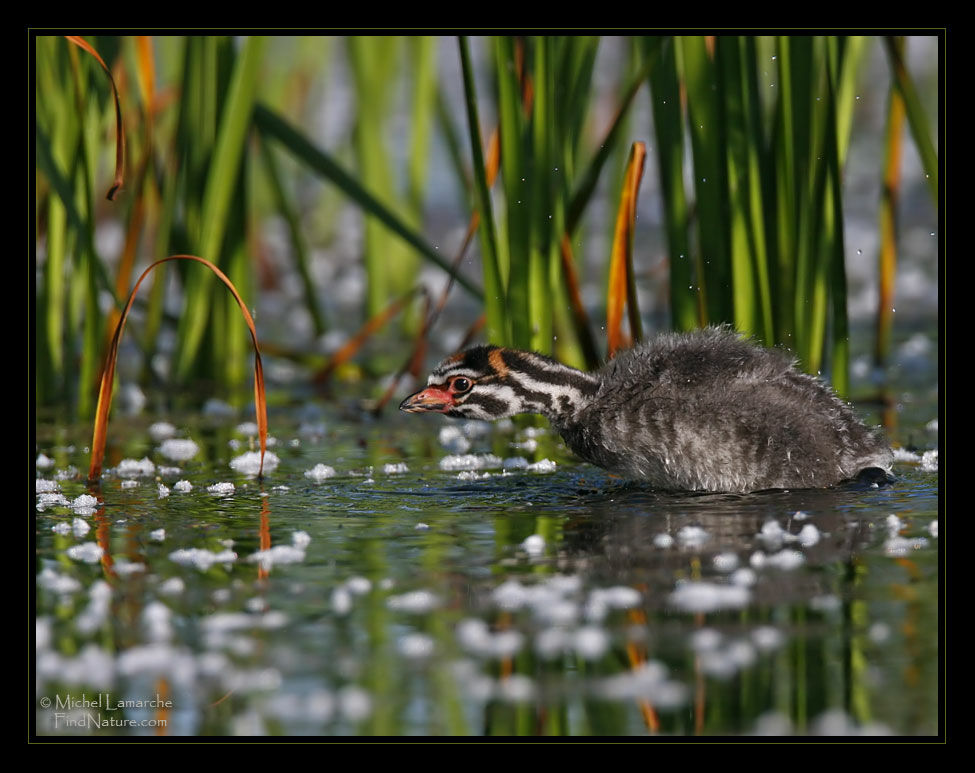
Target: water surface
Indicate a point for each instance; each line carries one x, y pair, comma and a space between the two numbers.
396, 597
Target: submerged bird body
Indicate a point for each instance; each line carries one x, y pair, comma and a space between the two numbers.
703, 411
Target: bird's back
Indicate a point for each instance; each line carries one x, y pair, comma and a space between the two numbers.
710, 411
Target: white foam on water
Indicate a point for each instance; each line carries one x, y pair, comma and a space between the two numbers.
516, 688
692, 536
395, 468
135, 468
787, 560
84, 504
249, 463
725, 562
156, 620
174, 586
699, 596
663, 541
124, 568
279, 554
320, 472
358, 585
43, 486
341, 600
647, 681
354, 703
836, 722
617, 596
453, 439
201, 558
552, 642
456, 462
183, 486
93, 616
706, 639
50, 499
222, 489
772, 723
179, 449
88, 552
317, 707
472, 475
161, 430
474, 636
744, 577
902, 546
590, 642
767, 638
808, 535
63, 584
417, 602
92, 667
416, 646
534, 545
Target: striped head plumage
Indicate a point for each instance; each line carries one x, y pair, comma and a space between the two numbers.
492, 382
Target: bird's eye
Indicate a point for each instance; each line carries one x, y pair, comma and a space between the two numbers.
461, 384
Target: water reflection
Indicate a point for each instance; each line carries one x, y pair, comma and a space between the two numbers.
392, 601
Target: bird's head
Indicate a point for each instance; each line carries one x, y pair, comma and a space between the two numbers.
469, 385
492, 382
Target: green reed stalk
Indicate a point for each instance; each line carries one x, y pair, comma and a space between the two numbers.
916, 117
298, 242
227, 114
543, 195
686, 313
765, 247
272, 125
374, 61
495, 298
68, 129
887, 258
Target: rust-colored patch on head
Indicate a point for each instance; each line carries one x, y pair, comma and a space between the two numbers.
455, 358
498, 363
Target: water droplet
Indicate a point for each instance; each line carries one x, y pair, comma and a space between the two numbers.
859, 252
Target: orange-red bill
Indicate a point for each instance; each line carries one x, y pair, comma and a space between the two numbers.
433, 399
